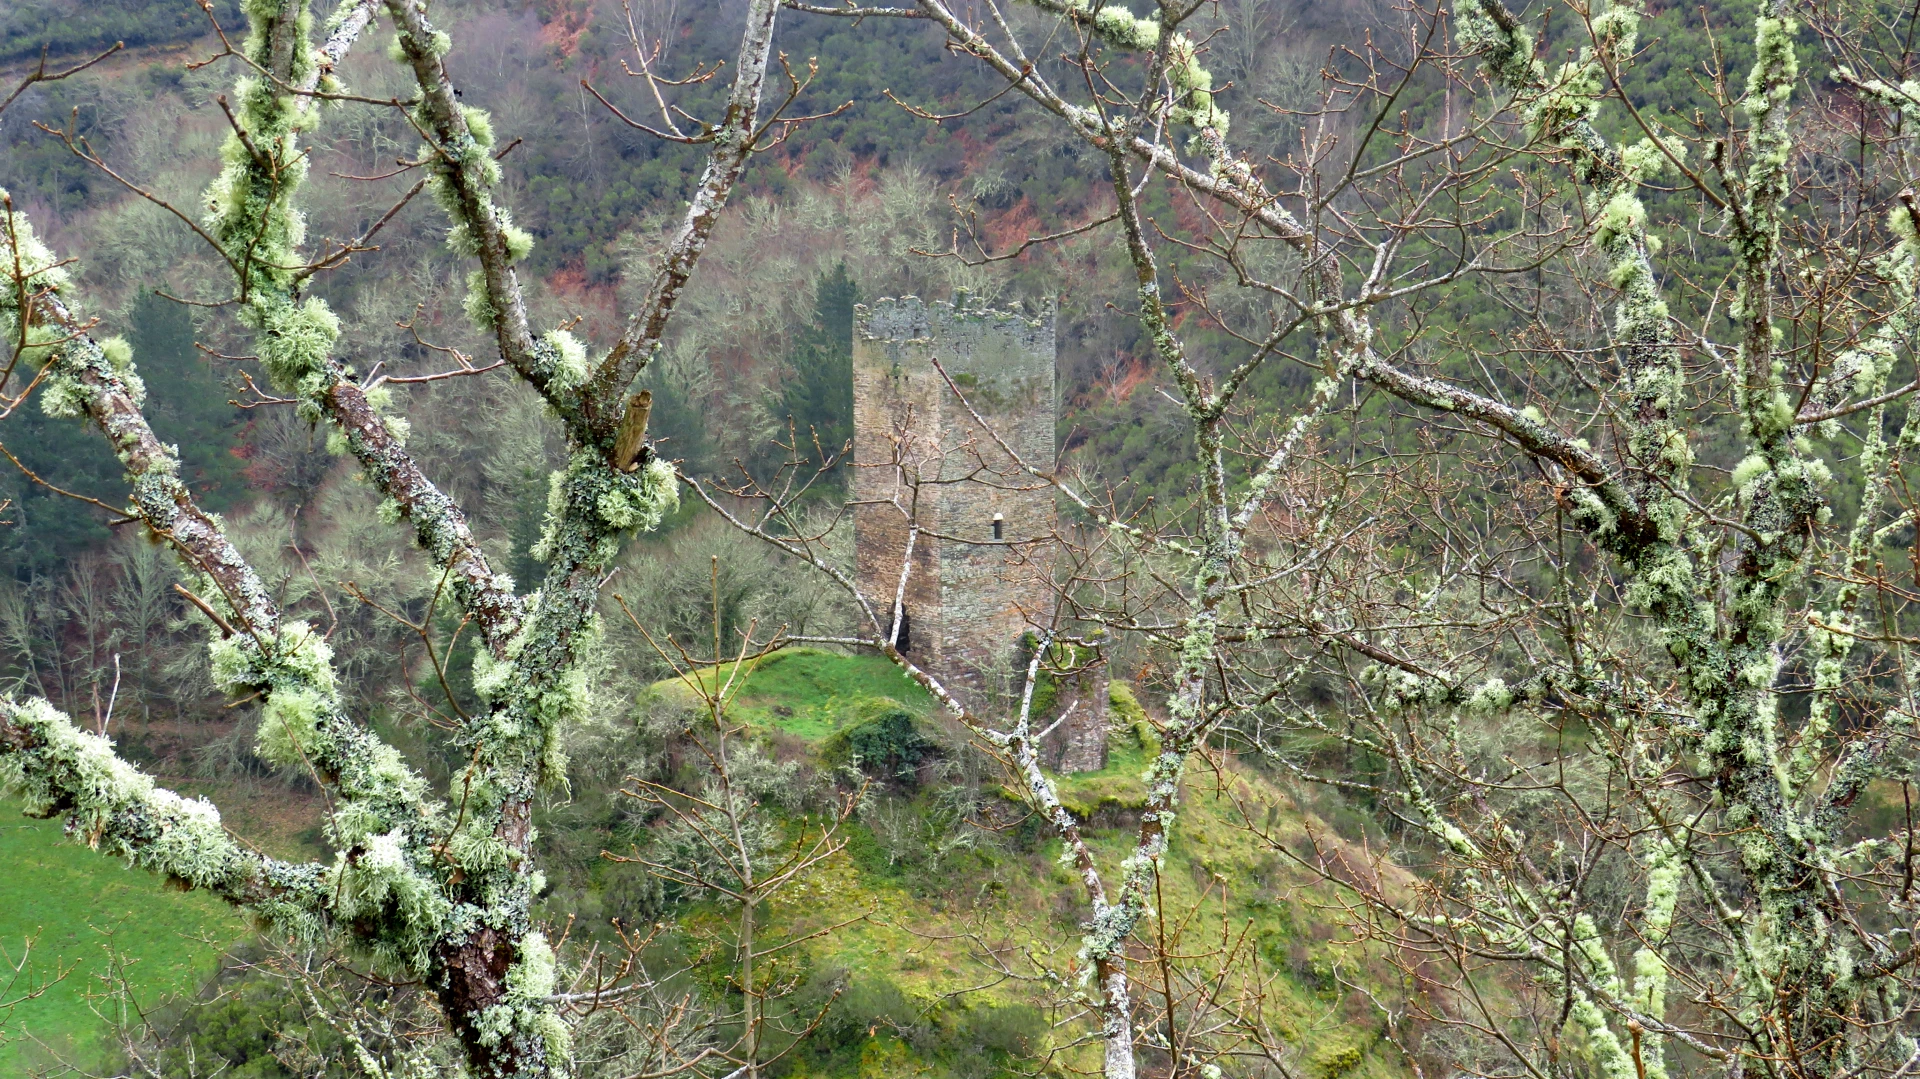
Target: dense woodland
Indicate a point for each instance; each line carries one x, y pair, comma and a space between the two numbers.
843, 210
1459, 807
848, 207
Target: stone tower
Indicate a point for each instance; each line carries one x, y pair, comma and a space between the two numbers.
983, 556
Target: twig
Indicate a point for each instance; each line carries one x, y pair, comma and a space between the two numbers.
120, 516
205, 608
41, 74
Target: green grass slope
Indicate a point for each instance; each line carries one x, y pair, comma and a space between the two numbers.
84, 911
921, 997
808, 692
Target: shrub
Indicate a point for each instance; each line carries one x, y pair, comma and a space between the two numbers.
886, 742
1128, 715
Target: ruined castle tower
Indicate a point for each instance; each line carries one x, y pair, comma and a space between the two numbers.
982, 533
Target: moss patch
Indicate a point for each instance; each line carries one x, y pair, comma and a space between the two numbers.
811, 693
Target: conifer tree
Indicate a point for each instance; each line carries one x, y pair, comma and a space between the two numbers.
818, 395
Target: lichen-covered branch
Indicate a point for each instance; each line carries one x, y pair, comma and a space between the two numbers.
450, 904
534, 685
57, 769
287, 663
463, 174
382, 823
255, 214
732, 139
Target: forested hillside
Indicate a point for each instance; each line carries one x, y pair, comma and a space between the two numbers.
849, 207
1481, 490
843, 211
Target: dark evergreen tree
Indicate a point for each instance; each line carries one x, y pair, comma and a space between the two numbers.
818, 394
677, 424
189, 408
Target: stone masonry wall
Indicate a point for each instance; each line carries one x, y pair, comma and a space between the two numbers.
1079, 742
919, 458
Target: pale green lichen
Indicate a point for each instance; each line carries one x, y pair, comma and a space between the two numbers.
31, 268
524, 1010
383, 882
1649, 968
1490, 697
289, 726
590, 504
34, 275
478, 305
1508, 55
1603, 1045
109, 803
1193, 104
1400, 690
297, 656
462, 176
1728, 673
1624, 217
567, 359
295, 342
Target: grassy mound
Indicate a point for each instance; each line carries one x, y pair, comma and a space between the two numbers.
807, 692
925, 906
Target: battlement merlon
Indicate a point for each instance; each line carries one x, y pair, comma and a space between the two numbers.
910, 318
1001, 358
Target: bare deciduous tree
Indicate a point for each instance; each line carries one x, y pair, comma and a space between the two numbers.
438, 886
1594, 607
1605, 636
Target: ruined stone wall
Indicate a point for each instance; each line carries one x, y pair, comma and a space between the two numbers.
917, 451
895, 427
1078, 743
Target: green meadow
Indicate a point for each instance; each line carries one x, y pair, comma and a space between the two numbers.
85, 914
